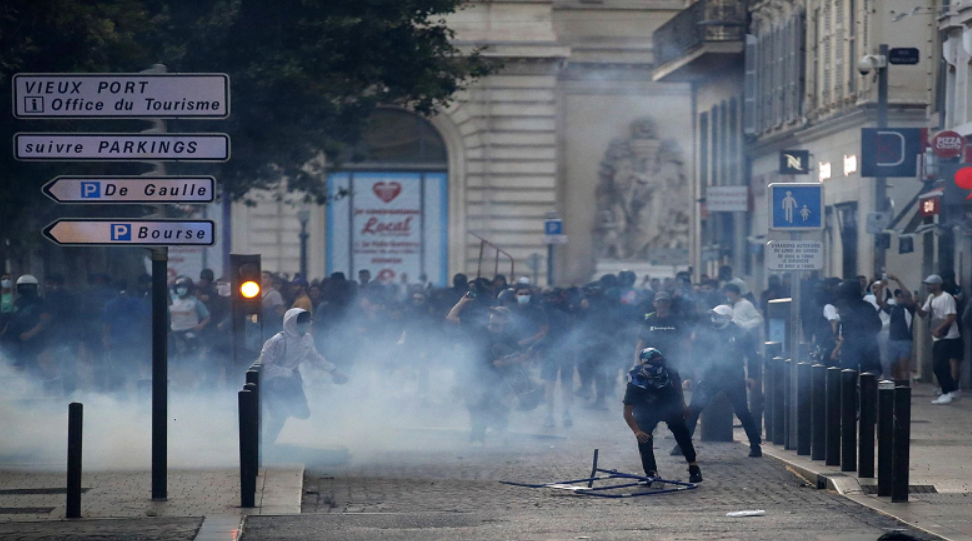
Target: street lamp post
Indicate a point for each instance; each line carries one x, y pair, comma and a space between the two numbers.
304, 216
881, 186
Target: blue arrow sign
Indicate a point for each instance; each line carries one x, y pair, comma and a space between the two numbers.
796, 206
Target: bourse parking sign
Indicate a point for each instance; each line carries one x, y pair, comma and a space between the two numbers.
796, 206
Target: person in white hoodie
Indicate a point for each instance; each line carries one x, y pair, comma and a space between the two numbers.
282, 386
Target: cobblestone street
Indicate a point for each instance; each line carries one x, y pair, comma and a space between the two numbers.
417, 492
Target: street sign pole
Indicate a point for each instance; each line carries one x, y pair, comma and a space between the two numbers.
160, 372
881, 184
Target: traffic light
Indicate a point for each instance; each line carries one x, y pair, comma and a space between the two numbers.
247, 309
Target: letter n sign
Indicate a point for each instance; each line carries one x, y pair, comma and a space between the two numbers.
890, 152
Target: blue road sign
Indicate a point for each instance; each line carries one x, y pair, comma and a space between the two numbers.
553, 227
796, 206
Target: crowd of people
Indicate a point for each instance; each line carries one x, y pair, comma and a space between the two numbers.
510, 346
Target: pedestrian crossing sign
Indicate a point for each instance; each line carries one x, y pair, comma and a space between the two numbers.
796, 206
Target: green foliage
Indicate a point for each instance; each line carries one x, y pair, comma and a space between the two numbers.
305, 76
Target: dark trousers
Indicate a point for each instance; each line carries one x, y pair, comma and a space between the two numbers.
735, 388
283, 398
648, 420
942, 351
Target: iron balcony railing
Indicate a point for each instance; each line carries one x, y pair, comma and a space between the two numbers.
705, 21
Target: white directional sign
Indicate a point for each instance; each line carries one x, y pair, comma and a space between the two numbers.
108, 189
794, 255
101, 95
727, 198
123, 231
202, 147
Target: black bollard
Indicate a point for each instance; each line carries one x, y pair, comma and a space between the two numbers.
788, 427
778, 401
254, 420
75, 428
253, 384
900, 461
803, 408
833, 417
818, 412
848, 420
865, 453
247, 477
885, 433
769, 392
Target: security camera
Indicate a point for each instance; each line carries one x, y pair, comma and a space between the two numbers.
871, 62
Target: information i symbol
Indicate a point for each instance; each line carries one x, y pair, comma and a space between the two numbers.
34, 104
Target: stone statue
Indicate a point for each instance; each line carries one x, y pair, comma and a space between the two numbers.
642, 196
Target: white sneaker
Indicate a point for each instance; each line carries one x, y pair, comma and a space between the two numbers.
955, 395
938, 391
944, 399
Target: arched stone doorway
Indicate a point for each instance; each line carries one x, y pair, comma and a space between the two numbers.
393, 219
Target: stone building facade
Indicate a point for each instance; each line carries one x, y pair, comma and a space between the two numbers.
572, 124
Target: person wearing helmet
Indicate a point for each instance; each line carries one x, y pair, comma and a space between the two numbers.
281, 357
653, 395
25, 330
188, 316
719, 358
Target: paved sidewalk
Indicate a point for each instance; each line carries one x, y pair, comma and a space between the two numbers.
202, 505
941, 457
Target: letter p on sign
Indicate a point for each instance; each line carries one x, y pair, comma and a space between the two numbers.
90, 190
121, 232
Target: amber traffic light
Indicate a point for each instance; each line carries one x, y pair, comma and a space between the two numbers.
249, 289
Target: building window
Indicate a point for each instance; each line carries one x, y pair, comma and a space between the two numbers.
816, 59
852, 39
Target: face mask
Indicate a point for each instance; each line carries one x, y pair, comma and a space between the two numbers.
523, 299
302, 328
182, 291
6, 284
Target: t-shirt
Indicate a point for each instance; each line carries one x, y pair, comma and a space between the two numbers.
185, 313
940, 308
666, 334
900, 318
648, 396
128, 320
6, 303
526, 321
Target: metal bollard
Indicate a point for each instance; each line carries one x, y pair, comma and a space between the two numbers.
75, 428
900, 461
818, 412
778, 399
760, 401
247, 477
885, 434
253, 383
848, 420
769, 392
788, 428
833, 417
803, 408
865, 452
254, 419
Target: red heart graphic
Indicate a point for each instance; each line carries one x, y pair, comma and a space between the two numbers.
386, 191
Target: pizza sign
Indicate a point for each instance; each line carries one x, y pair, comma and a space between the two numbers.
947, 144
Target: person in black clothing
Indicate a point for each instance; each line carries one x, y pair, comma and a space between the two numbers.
663, 330
557, 355
59, 361
26, 327
594, 331
859, 327
723, 348
493, 350
653, 395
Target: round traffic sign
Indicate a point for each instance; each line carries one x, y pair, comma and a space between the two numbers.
947, 144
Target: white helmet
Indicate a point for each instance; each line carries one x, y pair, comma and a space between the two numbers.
27, 279
721, 315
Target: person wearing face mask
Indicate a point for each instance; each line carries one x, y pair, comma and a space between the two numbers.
25, 330
282, 387
719, 353
529, 323
188, 316
654, 395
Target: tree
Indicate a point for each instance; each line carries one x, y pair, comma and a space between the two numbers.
305, 76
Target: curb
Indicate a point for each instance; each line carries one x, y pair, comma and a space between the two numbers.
850, 487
